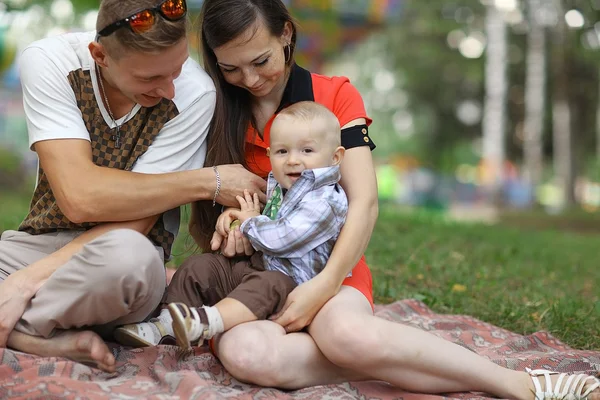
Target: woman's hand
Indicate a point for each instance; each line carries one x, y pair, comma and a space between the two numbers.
231, 241
304, 303
224, 221
15, 293
232, 245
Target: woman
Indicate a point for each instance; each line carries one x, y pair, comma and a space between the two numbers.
248, 49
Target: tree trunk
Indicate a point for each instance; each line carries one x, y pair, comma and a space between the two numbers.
493, 124
535, 95
561, 115
598, 120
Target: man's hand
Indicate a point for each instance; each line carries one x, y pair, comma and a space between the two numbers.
15, 293
234, 180
304, 303
249, 207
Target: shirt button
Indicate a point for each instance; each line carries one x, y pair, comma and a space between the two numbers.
366, 139
364, 131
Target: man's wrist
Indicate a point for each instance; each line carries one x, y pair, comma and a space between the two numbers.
203, 182
27, 282
217, 186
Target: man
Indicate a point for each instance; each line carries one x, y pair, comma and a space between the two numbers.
118, 120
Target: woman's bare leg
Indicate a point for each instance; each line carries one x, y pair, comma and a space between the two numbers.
355, 345
350, 335
260, 352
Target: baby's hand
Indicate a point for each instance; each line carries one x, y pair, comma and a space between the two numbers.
249, 207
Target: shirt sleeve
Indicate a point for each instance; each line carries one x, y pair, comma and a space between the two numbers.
348, 104
181, 143
306, 227
49, 102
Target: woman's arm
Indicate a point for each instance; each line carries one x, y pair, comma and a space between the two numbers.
360, 184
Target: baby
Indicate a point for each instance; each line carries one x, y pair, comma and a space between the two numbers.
293, 238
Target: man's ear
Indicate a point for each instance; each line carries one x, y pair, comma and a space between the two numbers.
338, 155
98, 52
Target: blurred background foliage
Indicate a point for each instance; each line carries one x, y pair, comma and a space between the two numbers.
421, 67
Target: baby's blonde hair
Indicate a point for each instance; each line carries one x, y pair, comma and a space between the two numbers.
309, 111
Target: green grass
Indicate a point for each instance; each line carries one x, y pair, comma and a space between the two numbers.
13, 208
574, 220
523, 281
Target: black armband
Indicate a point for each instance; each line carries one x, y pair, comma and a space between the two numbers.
356, 136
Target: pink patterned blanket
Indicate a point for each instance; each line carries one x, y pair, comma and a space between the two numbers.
157, 373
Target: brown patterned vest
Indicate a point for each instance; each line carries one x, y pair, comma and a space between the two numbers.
137, 135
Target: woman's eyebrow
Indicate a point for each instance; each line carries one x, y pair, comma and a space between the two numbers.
229, 65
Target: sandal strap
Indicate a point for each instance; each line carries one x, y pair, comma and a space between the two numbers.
574, 384
535, 373
591, 387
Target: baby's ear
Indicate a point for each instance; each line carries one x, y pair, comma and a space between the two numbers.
268, 152
338, 155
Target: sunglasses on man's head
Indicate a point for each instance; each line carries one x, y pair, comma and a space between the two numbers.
143, 20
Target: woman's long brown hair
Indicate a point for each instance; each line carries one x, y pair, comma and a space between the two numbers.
221, 21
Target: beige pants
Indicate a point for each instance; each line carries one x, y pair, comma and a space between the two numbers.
117, 278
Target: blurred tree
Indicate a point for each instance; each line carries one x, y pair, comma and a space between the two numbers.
561, 111
496, 86
423, 78
8, 50
423, 51
78, 5
598, 121
535, 93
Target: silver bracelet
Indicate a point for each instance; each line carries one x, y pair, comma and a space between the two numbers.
218, 189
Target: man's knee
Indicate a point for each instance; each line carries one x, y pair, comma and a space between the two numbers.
127, 251
248, 353
127, 254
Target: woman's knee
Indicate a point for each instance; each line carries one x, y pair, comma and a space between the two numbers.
249, 353
347, 339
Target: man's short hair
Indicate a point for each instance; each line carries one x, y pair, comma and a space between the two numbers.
310, 111
163, 34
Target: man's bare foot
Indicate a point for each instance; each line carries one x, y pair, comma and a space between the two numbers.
82, 346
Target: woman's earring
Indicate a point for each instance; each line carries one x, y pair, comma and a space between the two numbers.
287, 52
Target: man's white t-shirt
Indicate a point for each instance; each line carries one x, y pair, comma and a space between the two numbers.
63, 100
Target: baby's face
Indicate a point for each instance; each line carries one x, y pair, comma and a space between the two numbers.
296, 146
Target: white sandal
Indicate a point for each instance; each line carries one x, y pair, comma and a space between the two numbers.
572, 389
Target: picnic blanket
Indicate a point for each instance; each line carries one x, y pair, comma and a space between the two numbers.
158, 373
